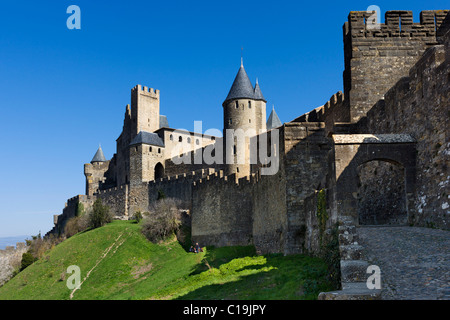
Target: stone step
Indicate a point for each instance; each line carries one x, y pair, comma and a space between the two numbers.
351, 252
354, 270
352, 291
347, 238
347, 229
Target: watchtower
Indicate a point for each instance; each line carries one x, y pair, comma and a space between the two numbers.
377, 55
244, 115
144, 110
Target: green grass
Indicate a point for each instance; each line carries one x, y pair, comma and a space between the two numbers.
135, 268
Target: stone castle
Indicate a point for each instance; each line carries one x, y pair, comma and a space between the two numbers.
378, 151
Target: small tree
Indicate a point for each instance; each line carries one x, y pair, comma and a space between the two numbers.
100, 215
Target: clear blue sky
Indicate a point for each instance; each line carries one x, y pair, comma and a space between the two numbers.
62, 92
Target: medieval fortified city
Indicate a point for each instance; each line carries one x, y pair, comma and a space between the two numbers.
365, 175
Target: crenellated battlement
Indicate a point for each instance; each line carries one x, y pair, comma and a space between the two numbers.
335, 101
218, 178
398, 23
190, 176
122, 187
376, 56
146, 91
79, 198
333, 108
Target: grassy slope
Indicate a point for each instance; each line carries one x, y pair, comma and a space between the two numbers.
124, 265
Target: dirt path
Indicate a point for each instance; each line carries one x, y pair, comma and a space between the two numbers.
103, 256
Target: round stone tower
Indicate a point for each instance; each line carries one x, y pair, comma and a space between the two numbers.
244, 115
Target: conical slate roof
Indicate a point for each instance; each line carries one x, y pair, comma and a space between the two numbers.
99, 156
273, 121
257, 94
242, 87
163, 122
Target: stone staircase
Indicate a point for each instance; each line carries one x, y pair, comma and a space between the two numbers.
353, 268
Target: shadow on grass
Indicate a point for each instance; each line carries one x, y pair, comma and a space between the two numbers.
215, 257
292, 277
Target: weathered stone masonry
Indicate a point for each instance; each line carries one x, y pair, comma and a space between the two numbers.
10, 261
388, 126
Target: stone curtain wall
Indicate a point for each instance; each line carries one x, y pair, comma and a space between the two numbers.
222, 211
306, 151
70, 211
419, 105
10, 260
126, 200
269, 213
116, 199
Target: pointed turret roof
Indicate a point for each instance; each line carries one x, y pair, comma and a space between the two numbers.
242, 87
257, 94
99, 156
273, 121
163, 122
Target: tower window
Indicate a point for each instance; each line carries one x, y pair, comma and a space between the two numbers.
150, 149
237, 105
180, 138
189, 140
171, 137
159, 150
249, 104
249, 120
230, 121
197, 142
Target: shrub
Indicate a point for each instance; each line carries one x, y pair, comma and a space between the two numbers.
137, 216
38, 245
27, 259
161, 195
80, 209
100, 215
75, 225
163, 220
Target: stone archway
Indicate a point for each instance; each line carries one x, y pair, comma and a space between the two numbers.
381, 198
354, 150
159, 171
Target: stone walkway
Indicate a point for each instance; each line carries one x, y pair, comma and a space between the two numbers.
414, 262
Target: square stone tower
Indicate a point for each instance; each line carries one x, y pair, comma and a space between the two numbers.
376, 57
144, 110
